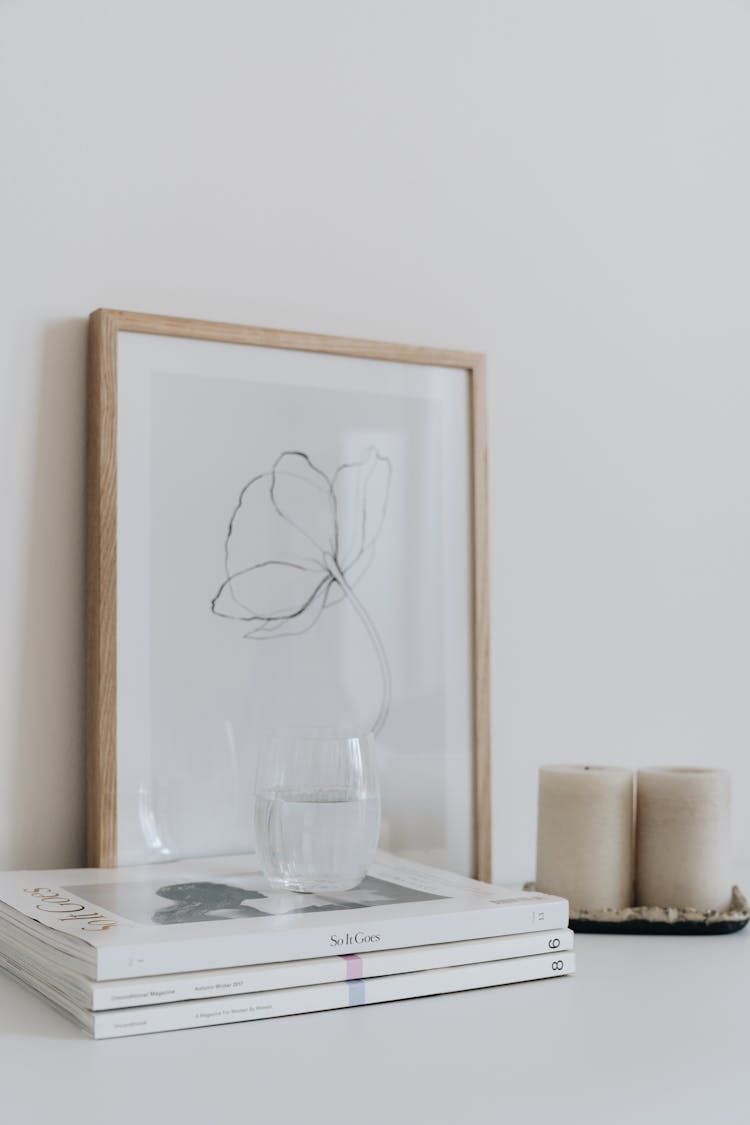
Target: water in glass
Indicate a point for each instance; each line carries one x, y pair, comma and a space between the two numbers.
317, 812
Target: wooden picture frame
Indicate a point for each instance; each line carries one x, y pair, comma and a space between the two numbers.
109, 331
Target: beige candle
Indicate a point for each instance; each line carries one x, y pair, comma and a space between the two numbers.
683, 838
585, 835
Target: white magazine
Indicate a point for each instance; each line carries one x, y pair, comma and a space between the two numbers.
294, 1001
111, 924
175, 987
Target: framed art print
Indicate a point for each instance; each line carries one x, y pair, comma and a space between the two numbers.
285, 531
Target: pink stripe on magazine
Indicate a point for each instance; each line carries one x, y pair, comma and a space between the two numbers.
353, 966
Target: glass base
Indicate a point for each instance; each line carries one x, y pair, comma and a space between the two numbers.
319, 886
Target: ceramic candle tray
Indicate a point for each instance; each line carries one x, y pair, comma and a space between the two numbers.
662, 919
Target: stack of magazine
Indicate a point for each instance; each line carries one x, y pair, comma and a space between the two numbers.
202, 942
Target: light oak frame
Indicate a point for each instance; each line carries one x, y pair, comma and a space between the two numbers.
104, 326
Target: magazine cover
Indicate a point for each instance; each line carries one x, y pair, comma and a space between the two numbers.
219, 912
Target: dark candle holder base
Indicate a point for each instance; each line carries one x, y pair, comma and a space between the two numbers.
662, 919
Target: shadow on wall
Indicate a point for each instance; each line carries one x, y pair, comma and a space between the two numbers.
49, 813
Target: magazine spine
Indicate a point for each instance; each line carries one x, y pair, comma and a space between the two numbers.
182, 956
176, 987
325, 997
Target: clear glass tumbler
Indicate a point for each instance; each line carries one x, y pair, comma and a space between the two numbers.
317, 810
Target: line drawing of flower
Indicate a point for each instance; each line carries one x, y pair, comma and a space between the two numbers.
298, 542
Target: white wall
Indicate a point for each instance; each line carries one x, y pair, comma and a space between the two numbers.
564, 186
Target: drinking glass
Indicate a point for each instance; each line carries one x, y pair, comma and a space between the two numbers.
317, 810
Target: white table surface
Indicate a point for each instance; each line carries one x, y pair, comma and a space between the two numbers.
651, 1029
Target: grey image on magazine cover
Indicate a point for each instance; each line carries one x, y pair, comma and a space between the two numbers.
210, 900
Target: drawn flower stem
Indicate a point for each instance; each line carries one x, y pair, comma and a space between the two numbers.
298, 543
374, 635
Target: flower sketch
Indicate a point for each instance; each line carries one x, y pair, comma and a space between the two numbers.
299, 542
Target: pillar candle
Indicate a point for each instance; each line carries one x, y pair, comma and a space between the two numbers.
683, 838
585, 835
